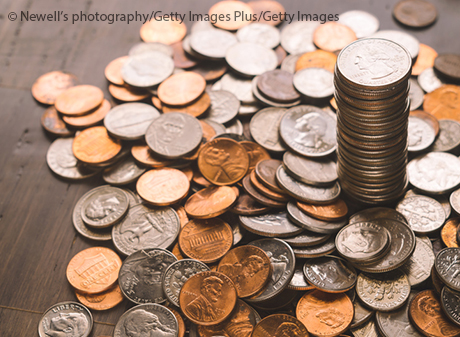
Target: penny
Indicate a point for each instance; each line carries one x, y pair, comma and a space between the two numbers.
66, 315
174, 135
260, 33
448, 65
309, 252
330, 274
264, 128
449, 232
228, 9
247, 205
144, 228
415, 13
259, 197
156, 68
297, 37
180, 58
126, 171
251, 59
448, 138
317, 171
270, 225
91, 119
101, 301
443, 102
224, 106
195, 109
182, 88
268, 6
49, 86
426, 314
53, 123
277, 85
255, 152
264, 190
127, 93
325, 314
93, 270
112, 71
213, 43
450, 301
145, 156
429, 81
332, 36
280, 325
383, 292
404, 39
298, 281
418, 267
163, 31
363, 23
331, 212
425, 59
361, 316
95, 146
145, 47
448, 267
266, 171
424, 214
210, 202
206, 240
150, 318
78, 100
317, 59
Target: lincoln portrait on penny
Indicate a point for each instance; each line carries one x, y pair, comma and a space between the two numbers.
203, 308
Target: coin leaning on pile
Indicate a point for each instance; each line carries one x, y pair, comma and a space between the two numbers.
232, 184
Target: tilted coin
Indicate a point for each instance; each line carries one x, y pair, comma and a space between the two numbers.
235, 127
101, 301
424, 214
442, 102
141, 275
278, 86
227, 9
163, 31
145, 47
91, 119
418, 267
333, 36
447, 266
259, 197
449, 232
331, 212
406, 40
266, 171
211, 71
449, 136
317, 59
280, 325
146, 157
260, 33
181, 59
265, 126
306, 239
224, 106
210, 202
314, 82
270, 225
68, 315
313, 171
266, 191
368, 330
268, 101
112, 71
251, 59
50, 85
182, 88
374, 213
425, 59
144, 228
429, 80
127, 93
238, 86
289, 63
78, 100
255, 152
212, 43
362, 23
54, 124
298, 281
448, 65
415, 94
297, 37
124, 172
95, 146
450, 301
319, 250
415, 13
361, 316
421, 134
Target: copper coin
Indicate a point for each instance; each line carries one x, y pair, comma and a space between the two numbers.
157, 103
249, 188
162, 187
180, 321
333, 36
50, 85
127, 93
249, 268
278, 85
101, 301
317, 59
223, 161
415, 13
91, 119
210, 70
247, 205
444, 102
206, 240
182, 88
167, 32
228, 9
449, 232
180, 58
266, 172
113, 70
79, 100
188, 172
95, 146
145, 156
280, 54
331, 212
208, 298
333, 103
93, 270
176, 251
53, 123
210, 202
427, 316
281, 325
199, 179
195, 108
183, 218
255, 152
425, 59
208, 130
261, 188
448, 65
325, 314
268, 6
429, 118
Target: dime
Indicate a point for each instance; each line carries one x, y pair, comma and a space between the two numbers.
361, 316
314, 83
211, 202
163, 31
53, 123
93, 270
323, 249
206, 240
448, 267
331, 212
418, 267
325, 314
101, 301
195, 109
224, 106
298, 281
450, 304
364, 24
449, 232
145, 47
280, 325
404, 39
95, 146
297, 37
182, 88
68, 315
442, 102
277, 85
425, 59
429, 81
208, 298
415, 13
264, 128
251, 59
127, 93
448, 65
78, 100
212, 43
112, 71
317, 171
424, 214
247, 205
91, 119
333, 36
270, 225
49, 86
260, 33
449, 136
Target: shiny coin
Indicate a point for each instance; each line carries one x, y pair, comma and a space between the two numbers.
333, 36
224, 106
127, 93
50, 85
260, 33
429, 81
311, 171
449, 232
251, 59
314, 82
297, 37
280, 325
448, 267
270, 225
418, 267
449, 136
364, 24
375, 213
404, 39
298, 281
124, 172
415, 13
425, 59
448, 65
53, 123
424, 214
163, 31
450, 302
264, 128
213, 43
309, 252
66, 315
306, 239
332, 212
442, 102
78, 100
211, 202
278, 86
95, 146
91, 119
101, 301
181, 88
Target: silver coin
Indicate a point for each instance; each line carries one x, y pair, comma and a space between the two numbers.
418, 267
429, 81
298, 281
306, 238
364, 24
404, 39
269, 102
224, 106
249, 109
188, 49
290, 62
65, 317
124, 172
259, 33
176, 274
218, 127
141, 274
447, 266
450, 301
368, 330
415, 94
424, 214
60, 160
103, 206
307, 193
144, 228
129, 121
212, 43
375, 213
449, 136
434, 172
174, 135
315, 83
271, 225
361, 315
383, 292
309, 252
264, 127
251, 59
455, 200
134, 198
309, 131
147, 69
144, 47
150, 319
317, 171
235, 127
198, 26
421, 134
297, 37
240, 87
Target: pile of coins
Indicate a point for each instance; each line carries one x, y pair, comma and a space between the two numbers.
222, 195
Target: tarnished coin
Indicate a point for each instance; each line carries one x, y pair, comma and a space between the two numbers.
128, 93
280, 325
449, 136
141, 275
49, 86
448, 65
54, 124
332, 212
93, 270
330, 274
449, 232
95, 146
278, 86
317, 171
361, 316
208, 298
297, 37
450, 301
69, 316
265, 126
101, 301
415, 13
429, 80
404, 39
362, 23
91, 119
333, 36
78, 100
212, 43
211, 202
443, 103
152, 318
144, 228
309, 252
163, 31
314, 83
224, 106
425, 59
174, 135
271, 225
181, 88
145, 47
424, 214
247, 205
260, 33
383, 292
325, 314
251, 59
206, 240
447, 266
418, 267
176, 274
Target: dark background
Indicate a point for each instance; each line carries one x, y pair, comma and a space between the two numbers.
37, 238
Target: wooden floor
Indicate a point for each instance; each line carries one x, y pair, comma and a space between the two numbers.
37, 238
